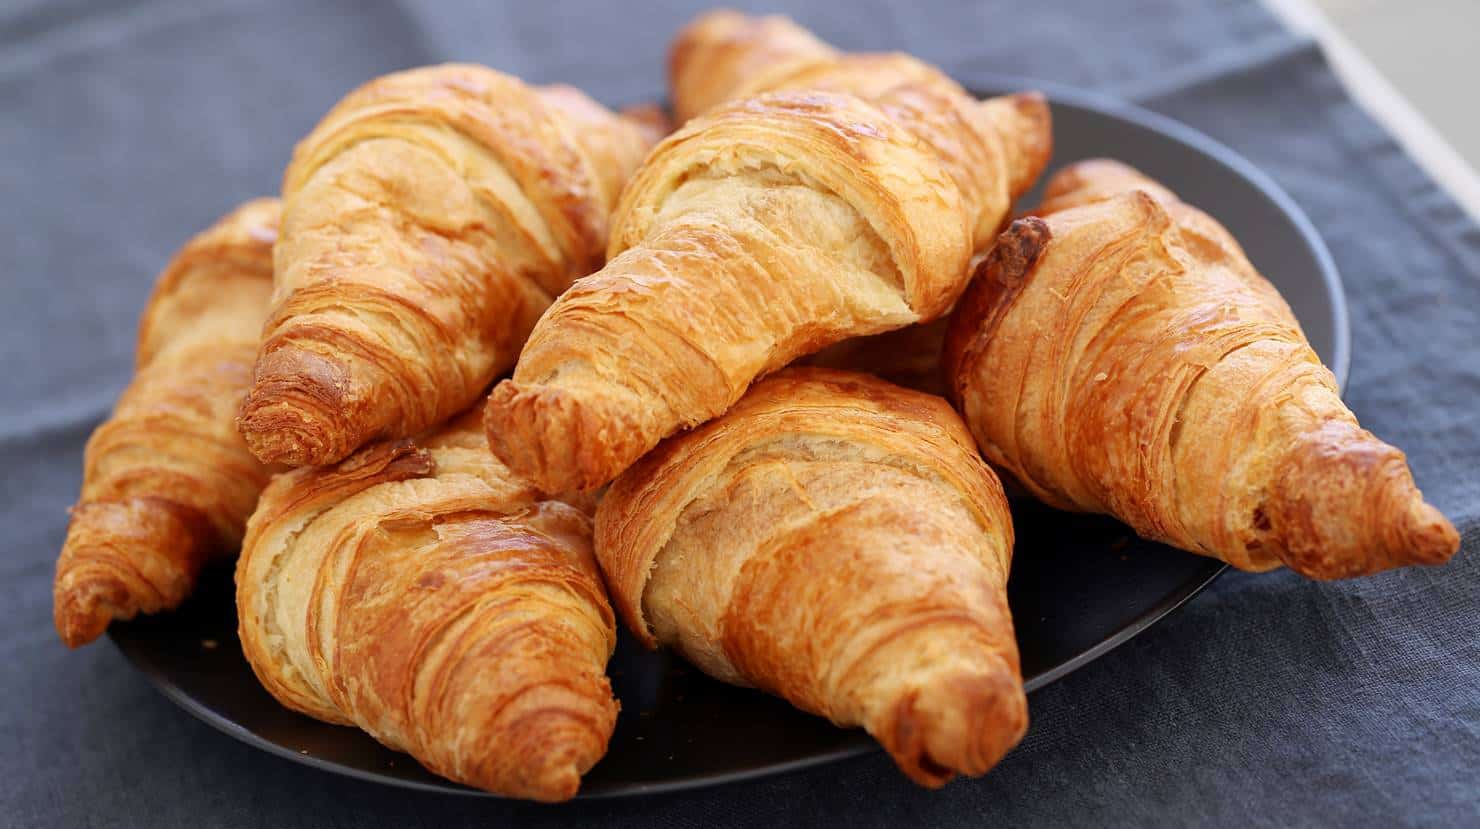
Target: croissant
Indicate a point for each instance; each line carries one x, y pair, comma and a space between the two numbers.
1121, 355
421, 592
428, 220
167, 482
837, 541
766, 229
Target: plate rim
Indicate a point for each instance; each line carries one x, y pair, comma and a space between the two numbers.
980, 85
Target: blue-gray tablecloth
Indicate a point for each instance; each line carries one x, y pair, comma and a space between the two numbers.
124, 127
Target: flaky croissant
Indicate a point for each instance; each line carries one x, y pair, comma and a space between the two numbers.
428, 220
421, 592
768, 228
837, 541
167, 482
1121, 355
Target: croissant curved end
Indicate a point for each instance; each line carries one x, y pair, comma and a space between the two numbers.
1017, 250
1429, 537
296, 412
558, 780
1418, 534
85, 605
557, 439
282, 433
1346, 505
573, 746
123, 558
956, 724
998, 279
548, 739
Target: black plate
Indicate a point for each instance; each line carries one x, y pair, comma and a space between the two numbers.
1080, 585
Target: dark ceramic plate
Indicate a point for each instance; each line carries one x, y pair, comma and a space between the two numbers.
1080, 585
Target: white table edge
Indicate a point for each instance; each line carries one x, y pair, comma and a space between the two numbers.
1375, 94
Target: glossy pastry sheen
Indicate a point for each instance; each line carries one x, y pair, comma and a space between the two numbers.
421, 592
167, 481
1121, 355
847, 203
428, 220
835, 540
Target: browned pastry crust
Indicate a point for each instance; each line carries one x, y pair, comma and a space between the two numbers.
1121, 355
848, 203
167, 481
835, 540
427, 221
421, 592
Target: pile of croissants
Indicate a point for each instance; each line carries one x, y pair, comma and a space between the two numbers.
727, 356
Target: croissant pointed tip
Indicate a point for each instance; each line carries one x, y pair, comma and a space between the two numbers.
78, 616
1430, 538
298, 411
957, 724
1017, 250
558, 781
280, 435
89, 599
125, 557
1346, 505
558, 439
571, 733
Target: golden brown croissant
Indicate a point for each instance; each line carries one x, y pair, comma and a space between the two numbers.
1121, 355
835, 540
427, 221
762, 231
167, 482
421, 592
